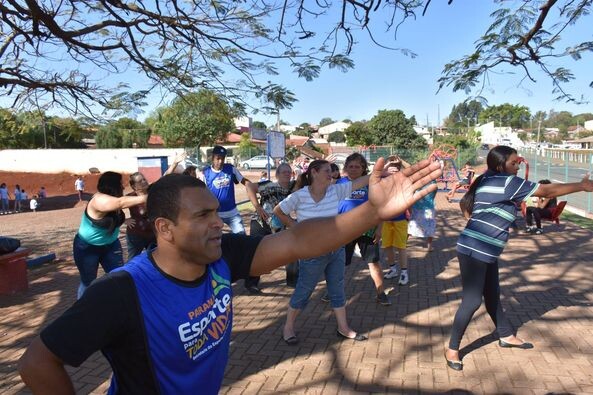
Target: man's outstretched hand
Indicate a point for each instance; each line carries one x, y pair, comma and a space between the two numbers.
393, 194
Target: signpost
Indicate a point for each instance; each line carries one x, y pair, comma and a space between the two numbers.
276, 146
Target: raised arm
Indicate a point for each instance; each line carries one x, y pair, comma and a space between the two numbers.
176, 161
388, 197
557, 189
43, 372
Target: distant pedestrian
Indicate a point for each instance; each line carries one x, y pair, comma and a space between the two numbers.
4, 198
33, 204
79, 186
42, 193
17, 198
24, 198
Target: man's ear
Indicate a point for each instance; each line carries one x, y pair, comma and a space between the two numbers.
163, 228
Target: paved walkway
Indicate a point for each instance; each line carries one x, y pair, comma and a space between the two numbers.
547, 287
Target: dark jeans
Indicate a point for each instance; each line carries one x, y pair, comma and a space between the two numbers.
368, 250
137, 244
478, 279
538, 214
88, 257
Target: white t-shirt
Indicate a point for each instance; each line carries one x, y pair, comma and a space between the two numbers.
305, 207
79, 184
33, 204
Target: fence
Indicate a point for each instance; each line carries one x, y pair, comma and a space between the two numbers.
559, 165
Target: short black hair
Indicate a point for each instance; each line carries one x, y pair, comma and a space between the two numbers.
164, 194
110, 184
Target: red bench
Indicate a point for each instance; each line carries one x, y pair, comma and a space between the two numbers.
13, 272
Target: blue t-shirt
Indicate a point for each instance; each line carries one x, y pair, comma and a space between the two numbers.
188, 328
427, 202
355, 199
222, 185
486, 232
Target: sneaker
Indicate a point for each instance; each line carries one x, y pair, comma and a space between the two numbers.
392, 273
538, 231
253, 290
383, 299
403, 278
325, 298
529, 229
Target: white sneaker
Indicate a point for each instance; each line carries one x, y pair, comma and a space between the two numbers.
404, 279
392, 273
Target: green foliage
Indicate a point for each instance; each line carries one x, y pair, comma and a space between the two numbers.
358, 134
517, 38
195, 120
246, 146
336, 137
122, 133
278, 98
304, 129
34, 130
462, 114
259, 125
325, 121
391, 127
513, 115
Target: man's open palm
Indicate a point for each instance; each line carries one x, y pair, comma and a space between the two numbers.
393, 194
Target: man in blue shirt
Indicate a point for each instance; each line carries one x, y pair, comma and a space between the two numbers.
221, 177
164, 320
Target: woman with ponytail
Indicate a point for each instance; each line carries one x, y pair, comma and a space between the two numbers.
317, 198
490, 207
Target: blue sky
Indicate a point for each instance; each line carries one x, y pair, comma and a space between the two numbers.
384, 79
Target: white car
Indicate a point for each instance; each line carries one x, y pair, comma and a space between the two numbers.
257, 162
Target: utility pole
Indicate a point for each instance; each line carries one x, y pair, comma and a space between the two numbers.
539, 125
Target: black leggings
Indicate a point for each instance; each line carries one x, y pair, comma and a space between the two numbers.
255, 229
478, 279
538, 214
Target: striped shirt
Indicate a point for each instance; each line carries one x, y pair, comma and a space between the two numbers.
302, 202
487, 231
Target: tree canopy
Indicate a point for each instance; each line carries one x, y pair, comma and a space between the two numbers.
513, 115
74, 54
195, 120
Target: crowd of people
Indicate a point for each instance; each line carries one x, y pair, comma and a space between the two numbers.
164, 319
20, 199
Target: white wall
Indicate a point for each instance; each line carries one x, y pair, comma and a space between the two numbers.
589, 125
79, 161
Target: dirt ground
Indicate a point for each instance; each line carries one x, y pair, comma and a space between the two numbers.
52, 228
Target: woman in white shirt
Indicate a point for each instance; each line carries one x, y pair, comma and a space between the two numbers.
318, 198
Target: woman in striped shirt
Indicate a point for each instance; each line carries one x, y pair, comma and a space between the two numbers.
490, 206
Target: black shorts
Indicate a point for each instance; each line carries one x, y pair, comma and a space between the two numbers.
368, 250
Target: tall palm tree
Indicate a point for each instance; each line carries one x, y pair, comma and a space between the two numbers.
279, 98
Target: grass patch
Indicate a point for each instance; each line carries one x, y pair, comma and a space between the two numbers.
583, 222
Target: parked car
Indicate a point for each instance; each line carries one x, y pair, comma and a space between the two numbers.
257, 162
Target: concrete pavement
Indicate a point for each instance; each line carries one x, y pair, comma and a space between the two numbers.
547, 288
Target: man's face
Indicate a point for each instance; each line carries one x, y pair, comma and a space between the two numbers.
217, 161
197, 234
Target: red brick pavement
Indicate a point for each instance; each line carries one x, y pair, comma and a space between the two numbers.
547, 291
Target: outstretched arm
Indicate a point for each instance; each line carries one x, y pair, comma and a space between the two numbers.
557, 189
388, 197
